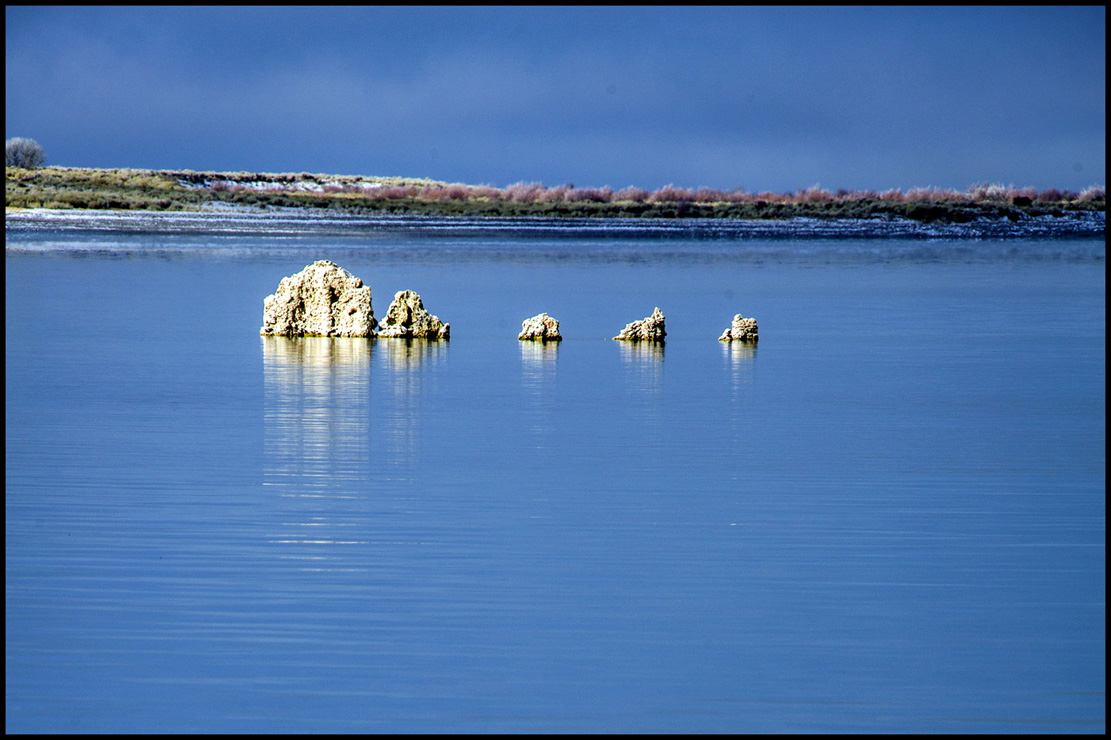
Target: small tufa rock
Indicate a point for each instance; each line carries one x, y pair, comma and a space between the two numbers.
407, 318
323, 300
650, 329
742, 330
540, 328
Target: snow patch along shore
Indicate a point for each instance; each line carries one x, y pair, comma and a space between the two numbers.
1078, 236
291, 186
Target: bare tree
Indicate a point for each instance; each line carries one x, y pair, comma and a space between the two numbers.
20, 152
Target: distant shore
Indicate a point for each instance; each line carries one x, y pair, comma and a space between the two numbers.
65, 225
66, 188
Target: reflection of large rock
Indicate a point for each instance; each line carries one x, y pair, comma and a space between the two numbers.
323, 300
407, 354
742, 330
317, 352
540, 328
650, 329
406, 317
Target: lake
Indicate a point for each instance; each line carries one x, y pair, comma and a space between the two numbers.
887, 516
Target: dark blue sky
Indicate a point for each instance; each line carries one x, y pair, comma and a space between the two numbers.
761, 98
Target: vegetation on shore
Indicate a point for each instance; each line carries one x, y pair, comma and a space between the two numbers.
20, 152
186, 190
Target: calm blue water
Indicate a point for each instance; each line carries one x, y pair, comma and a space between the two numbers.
888, 517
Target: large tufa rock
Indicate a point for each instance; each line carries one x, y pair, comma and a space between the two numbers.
540, 328
407, 318
742, 330
323, 300
650, 329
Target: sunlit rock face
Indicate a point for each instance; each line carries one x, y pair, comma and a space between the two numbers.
741, 330
540, 328
407, 318
650, 329
323, 300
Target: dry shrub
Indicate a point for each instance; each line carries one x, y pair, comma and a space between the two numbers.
439, 192
434, 193
397, 192
930, 195
457, 192
590, 195
710, 195
934, 195
558, 194
638, 195
1095, 193
671, 194
489, 192
814, 194
524, 192
769, 197
994, 192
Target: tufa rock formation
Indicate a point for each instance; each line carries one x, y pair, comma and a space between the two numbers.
650, 329
540, 328
323, 300
407, 318
742, 330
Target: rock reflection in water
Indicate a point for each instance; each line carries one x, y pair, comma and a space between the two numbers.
407, 354
538, 374
317, 407
645, 361
538, 364
740, 357
317, 437
408, 361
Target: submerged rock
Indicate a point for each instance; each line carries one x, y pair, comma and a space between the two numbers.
540, 328
323, 300
407, 318
650, 329
742, 330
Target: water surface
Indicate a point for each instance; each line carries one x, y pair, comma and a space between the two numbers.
886, 517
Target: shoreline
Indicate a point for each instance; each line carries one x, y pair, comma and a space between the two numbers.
186, 191
223, 219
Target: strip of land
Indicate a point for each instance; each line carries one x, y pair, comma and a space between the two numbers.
187, 190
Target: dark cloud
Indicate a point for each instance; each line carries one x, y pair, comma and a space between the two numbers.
762, 97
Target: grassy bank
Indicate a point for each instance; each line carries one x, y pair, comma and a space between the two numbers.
186, 190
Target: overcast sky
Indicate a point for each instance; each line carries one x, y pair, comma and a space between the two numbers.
760, 98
